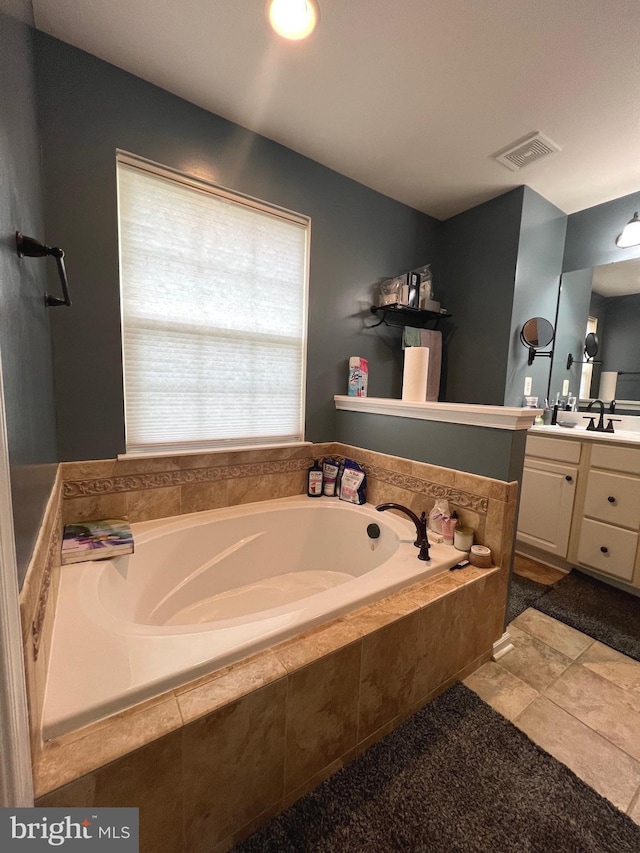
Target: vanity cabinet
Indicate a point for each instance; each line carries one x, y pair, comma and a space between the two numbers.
548, 493
580, 506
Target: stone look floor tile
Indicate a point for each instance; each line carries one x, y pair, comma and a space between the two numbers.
603, 766
634, 809
533, 661
506, 693
604, 707
556, 634
536, 571
612, 665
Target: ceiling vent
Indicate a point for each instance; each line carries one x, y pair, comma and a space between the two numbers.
525, 151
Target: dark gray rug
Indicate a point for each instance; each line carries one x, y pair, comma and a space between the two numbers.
523, 593
605, 613
455, 777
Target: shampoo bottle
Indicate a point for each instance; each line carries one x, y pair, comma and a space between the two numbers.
314, 482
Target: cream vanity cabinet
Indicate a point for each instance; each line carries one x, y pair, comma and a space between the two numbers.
580, 505
548, 491
607, 536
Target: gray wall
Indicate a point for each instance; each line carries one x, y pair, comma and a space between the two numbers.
591, 234
25, 343
359, 237
479, 450
621, 349
479, 255
571, 325
540, 249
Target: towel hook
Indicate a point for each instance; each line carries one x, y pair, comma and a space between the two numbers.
29, 247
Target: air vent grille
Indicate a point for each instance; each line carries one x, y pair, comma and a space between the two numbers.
525, 151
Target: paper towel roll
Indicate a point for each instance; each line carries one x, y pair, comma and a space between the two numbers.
416, 373
608, 382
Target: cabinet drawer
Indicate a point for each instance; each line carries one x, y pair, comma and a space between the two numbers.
608, 549
555, 449
613, 498
625, 459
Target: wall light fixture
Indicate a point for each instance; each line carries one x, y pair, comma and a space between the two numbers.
630, 234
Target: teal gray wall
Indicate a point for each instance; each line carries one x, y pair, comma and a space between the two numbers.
88, 109
492, 453
571, 325
591, 234
540, 249
479, 256
621, 347
25, 343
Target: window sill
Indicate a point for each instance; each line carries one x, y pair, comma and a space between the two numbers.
155, 454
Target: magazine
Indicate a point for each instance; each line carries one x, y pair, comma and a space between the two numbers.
96, 540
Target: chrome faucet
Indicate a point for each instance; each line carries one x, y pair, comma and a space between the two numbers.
421, 527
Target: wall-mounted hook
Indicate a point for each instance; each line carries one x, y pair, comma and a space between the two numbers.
29, 247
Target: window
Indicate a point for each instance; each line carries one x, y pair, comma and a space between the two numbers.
587, 367
214, 302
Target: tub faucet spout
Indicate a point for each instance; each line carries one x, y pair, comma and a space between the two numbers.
421, 527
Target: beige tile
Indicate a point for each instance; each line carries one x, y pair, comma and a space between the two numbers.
389, 659
499, 688
556, 634
96, 469
322, 712
482, 606
265, 487
220, 690
536, 571
316, 644
385, 612
94, 507
612, 665
607, 769
314, 781
146, 465
429, 591
196, 497
439, 628
67, 758
147, 504
601, 705
148, 779
77, 794
532, 660
233, 766
634, 808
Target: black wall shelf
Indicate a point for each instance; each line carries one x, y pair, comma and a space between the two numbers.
395, 315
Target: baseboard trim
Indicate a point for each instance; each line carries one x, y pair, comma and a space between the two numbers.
502, 646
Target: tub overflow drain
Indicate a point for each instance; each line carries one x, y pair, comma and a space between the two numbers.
373, 531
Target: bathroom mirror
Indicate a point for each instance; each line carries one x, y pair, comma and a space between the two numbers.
602, 303
536, 334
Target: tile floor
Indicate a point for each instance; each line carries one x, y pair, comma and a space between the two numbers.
575, 697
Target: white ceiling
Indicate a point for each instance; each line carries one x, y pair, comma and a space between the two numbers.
410, 97
618, 279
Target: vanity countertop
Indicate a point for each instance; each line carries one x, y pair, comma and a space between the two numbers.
620, 436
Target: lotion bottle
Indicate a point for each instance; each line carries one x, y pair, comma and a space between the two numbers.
314, 481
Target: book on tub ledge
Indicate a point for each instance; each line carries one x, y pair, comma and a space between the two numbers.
96, 540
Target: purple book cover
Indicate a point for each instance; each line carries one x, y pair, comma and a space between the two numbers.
96, 540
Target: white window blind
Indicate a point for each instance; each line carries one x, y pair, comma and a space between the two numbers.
214, 295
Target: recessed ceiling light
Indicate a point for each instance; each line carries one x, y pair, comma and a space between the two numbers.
293, 19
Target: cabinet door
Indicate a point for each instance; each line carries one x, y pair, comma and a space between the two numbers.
546, 505
614, 498
607, 548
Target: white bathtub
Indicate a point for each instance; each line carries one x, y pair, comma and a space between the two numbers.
206, 589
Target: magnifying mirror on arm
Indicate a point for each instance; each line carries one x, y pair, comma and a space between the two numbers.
536, 334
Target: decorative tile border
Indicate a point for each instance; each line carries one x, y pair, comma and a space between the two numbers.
157, 480
465, 500
137, 482
53, 558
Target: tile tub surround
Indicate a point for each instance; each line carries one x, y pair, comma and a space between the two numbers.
157, 487
209, 762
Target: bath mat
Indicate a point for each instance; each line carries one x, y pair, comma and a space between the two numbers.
457, 776
523, 593
605, 613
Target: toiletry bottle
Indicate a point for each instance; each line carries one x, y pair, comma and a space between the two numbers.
314, 482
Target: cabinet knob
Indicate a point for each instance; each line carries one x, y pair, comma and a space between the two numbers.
611, 499
569, 478
604, 549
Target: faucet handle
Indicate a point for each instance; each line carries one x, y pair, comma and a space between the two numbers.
610, 424
591, 426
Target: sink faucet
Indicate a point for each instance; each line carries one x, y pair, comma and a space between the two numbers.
421, 527
600, 427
